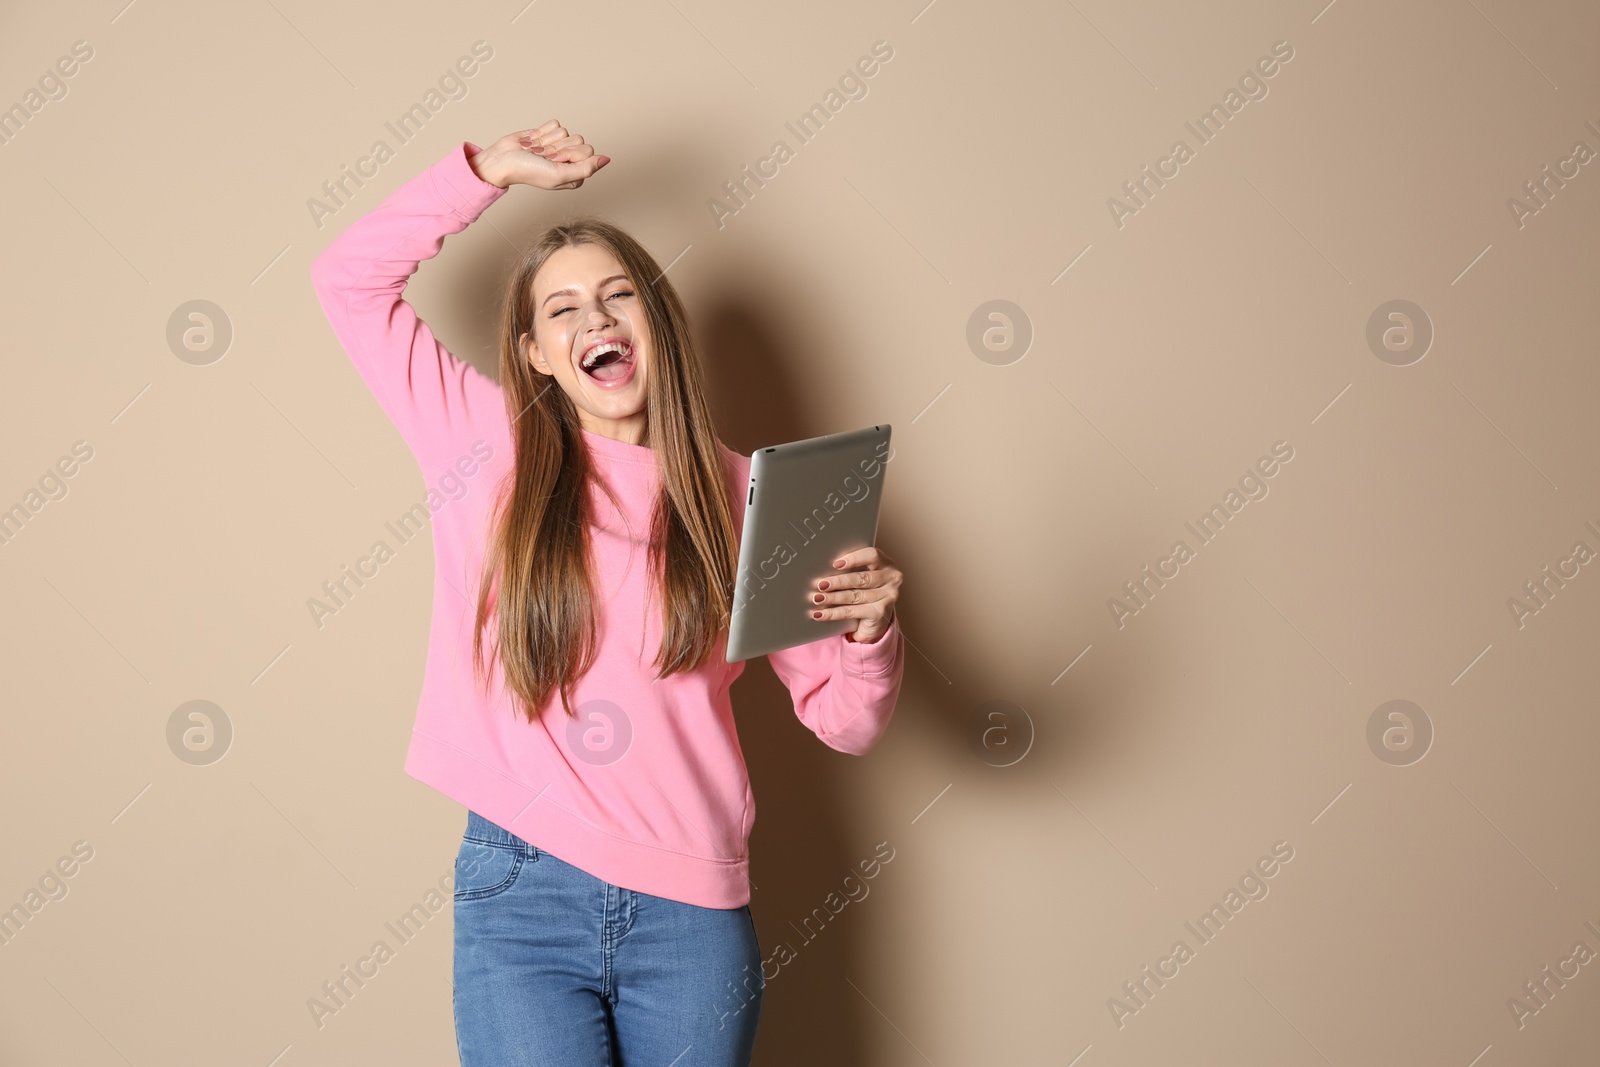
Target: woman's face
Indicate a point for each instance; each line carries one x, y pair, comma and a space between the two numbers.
590, 334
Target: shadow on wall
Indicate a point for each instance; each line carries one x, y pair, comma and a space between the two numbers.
804, 840
800, 842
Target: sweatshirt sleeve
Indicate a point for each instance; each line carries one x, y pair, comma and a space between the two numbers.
844, 691
433, 398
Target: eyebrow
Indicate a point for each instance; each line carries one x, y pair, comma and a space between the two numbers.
569, 292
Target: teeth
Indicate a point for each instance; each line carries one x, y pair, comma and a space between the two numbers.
600, 350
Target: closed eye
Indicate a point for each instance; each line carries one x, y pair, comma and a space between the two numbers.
619, 294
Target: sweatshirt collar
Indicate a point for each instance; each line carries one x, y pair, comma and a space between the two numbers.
620, 451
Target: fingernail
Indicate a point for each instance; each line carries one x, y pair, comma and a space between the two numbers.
816, 614
818, 598
823, 584
838, 563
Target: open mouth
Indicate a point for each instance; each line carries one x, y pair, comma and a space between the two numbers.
608, 361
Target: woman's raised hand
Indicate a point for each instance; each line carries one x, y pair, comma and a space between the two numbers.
547, 157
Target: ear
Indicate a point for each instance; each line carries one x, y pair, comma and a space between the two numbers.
530, 352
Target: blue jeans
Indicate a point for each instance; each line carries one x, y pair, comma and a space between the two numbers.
557, 968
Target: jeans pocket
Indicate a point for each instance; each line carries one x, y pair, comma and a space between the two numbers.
483, 870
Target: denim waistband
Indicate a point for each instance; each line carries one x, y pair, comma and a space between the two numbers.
481, 829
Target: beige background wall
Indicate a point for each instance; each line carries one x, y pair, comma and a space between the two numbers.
1159, 759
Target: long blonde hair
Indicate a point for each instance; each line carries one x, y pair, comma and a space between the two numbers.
539, 551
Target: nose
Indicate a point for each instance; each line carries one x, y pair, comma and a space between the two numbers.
596, 314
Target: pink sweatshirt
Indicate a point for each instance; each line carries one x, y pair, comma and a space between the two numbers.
672, 815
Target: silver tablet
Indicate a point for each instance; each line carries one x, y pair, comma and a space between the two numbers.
808, 501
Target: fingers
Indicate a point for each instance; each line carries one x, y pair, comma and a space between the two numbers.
573, 174
859, 567
533, 135
871, 556
867, 592
568, 153
550, 146
843, 598
852, 580
544, 136
573, 159
873, 611
571, 149
857, 587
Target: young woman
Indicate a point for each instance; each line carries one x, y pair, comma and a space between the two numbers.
575, 696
